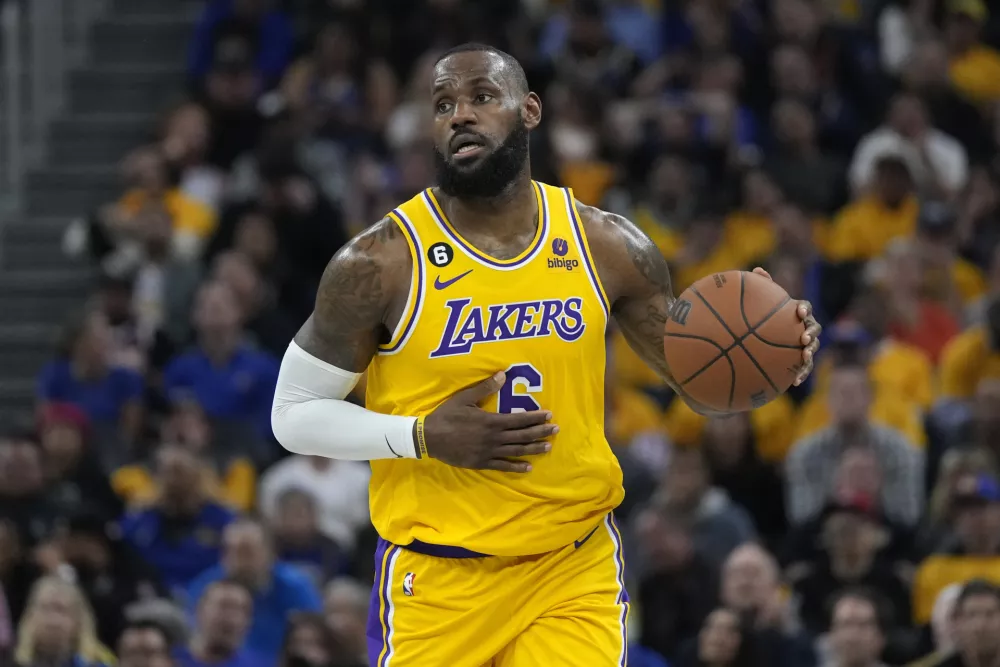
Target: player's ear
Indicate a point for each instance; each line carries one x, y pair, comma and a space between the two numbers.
531, 111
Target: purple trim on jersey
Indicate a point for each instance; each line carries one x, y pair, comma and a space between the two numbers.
578, 233
378, 610
623, 595
420, 281
482, 256
441, 551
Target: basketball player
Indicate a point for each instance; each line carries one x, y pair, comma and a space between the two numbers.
479, 310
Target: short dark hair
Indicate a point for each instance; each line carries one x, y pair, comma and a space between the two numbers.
973, 589
146, 625
883, 614
223, 583
513, 68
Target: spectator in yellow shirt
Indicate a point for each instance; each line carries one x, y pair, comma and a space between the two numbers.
863, 228
669, 204
749, 231
901, 382
972, 356
229, 476
705, 251
974, 67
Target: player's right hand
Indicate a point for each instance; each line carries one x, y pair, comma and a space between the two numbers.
462, 434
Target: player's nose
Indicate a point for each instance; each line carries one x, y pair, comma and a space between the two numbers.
463, 115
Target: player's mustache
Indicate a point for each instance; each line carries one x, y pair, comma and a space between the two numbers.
466, 135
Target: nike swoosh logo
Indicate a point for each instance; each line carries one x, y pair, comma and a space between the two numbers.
580, 543
448, 283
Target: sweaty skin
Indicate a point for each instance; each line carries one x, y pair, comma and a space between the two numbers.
364, 289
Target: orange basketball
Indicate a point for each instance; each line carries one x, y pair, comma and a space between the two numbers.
733, 341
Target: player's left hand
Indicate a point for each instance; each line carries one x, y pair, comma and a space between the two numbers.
810, 338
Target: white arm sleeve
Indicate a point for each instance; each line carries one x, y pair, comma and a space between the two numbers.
310, 415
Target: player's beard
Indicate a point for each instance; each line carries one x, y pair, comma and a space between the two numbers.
491, 176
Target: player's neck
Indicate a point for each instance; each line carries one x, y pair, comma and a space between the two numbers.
507, 213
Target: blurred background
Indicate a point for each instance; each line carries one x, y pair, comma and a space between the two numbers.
175, 174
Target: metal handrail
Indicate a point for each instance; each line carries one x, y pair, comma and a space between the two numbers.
42, 40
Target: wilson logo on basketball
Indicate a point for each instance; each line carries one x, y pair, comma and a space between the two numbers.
679, 311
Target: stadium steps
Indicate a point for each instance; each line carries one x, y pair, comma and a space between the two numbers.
135, 69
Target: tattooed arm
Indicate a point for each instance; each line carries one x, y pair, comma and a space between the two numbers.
360, 300
637, 280
361, 297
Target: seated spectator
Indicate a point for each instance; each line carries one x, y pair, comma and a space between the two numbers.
20, 568
704, 250
308, 643
810, 467
926, 74
83, 374
669, 203
229, 95
180, 533
345, 610
678, 586
857, 632
134, 345
977, 628
221, 621
851, 540
223, 373
277, 588
24, 500
725, 640
948, 278
74, 474
973, 66
863, 228
271, 328
750, 230
299, 542
914, 320
144, 645
184, 144
256, 22
737, 468
976, 226
901, 376
330, 91
972, 356
118, 225
858, 475
718, 524
339, 487
109, 573
228, 472
808, 176
57, 628
956, 465
974, 547
750, 587
937, 163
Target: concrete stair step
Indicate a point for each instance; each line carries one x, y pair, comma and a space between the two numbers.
84, 138
24, 349
158, 39
44, 255
131, 89
17, 396
35, 231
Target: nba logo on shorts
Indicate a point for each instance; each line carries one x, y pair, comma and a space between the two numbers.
408, 584
560, 247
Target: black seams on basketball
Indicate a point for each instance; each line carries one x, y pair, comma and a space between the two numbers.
733, 341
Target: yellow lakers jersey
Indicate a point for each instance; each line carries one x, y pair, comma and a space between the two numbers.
541, 317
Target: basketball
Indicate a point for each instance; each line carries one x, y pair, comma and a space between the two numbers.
733, 341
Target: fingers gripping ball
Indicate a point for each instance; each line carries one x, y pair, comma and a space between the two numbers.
732, 341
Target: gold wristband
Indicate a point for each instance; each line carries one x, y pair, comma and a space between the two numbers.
421, 441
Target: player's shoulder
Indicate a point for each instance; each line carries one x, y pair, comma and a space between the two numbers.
379, 253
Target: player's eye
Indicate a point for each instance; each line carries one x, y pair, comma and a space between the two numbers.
483, 98
443, 107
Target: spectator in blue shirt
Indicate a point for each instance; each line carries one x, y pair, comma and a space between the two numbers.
229, 378
220, 629
180, 534
268, 30
278, 589
84, 374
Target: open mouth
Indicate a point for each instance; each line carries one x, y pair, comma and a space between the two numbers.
464, 148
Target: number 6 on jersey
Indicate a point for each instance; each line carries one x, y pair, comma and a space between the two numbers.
526, 378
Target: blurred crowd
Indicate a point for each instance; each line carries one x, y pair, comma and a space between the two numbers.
148, 518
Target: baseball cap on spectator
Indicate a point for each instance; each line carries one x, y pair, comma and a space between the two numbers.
64, 414
976, 491
973, 9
